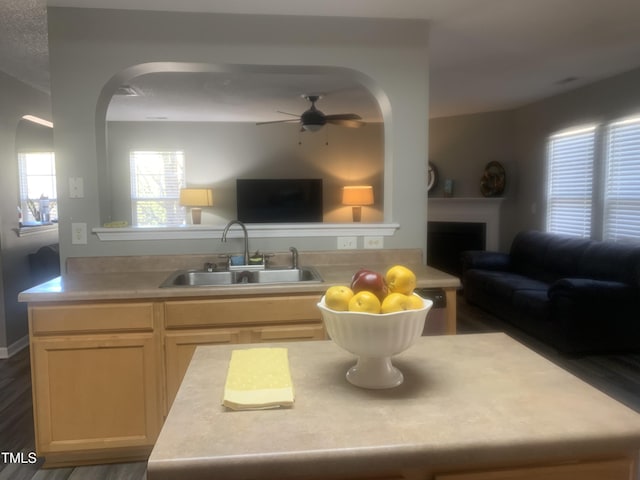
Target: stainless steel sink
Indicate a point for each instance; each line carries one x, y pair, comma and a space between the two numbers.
201, 278
195, 278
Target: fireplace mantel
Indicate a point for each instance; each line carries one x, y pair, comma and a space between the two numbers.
469, 209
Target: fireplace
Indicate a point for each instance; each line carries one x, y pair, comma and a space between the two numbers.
457, 224
446, 240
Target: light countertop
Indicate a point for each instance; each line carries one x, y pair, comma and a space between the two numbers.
120, 278
467, 401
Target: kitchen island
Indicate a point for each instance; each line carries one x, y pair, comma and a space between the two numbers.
472, 407
109, 347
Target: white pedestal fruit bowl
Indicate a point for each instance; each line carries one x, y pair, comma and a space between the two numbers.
374, 338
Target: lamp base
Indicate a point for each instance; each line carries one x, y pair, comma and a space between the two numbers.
357, 214
196, 215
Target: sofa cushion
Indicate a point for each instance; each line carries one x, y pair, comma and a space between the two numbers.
503, 284
546, 256
590, 290
532, 303
611, 261
527, 253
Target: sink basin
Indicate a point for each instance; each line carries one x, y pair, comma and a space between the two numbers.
201, 278
198, 278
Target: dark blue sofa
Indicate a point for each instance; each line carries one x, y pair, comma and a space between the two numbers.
578, 295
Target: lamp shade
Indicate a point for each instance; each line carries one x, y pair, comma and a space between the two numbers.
196, 197
357, 195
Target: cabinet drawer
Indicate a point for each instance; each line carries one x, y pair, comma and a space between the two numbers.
288, 333
241, 311
91, 318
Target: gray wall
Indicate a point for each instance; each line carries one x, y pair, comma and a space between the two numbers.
93, 51
600, 102
16, 100
218, 153
461, 146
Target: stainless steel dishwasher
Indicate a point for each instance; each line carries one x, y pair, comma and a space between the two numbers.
436, 323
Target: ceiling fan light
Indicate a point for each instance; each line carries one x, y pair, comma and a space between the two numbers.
311, 127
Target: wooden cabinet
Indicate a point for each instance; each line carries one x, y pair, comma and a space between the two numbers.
106, 373
97, 392
238, 311
190, 323
179, 348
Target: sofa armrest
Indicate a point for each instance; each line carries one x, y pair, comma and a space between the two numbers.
589, 290
484, 260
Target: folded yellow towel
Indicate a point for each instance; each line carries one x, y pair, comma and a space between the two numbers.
258, 378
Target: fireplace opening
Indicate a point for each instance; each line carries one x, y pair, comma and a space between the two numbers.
447, 240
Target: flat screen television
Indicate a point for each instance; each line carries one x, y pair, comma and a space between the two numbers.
279, 200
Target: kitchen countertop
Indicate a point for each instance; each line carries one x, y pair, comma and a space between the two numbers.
468, 401
118, 279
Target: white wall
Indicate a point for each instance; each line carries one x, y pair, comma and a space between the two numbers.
89, 46
218, 153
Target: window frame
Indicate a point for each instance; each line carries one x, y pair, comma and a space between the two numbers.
157, 182
569, 187
605, 179
30, 202
621, 182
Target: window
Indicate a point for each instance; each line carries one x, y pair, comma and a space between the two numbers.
570, 166
156, 180
622, 186
593, 191
38, 198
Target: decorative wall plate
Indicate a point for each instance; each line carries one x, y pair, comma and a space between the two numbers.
493, 180
432, 176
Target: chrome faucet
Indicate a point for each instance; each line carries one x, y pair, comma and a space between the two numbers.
294, 257
246, 238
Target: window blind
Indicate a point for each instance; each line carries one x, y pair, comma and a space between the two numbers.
622, 186
156, 180
570, 159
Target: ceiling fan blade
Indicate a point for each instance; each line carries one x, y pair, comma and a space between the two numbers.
346, 122
343, 116
277, 121
287, 113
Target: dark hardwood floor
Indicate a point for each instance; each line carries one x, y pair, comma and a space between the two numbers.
617, 375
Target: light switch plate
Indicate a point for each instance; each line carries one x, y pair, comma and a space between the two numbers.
76, 187
347, 243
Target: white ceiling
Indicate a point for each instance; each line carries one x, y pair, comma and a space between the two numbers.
484, 54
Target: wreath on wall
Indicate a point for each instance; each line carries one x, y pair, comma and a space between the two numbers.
493, 180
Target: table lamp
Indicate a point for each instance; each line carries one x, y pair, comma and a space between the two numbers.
357, 196
196, 198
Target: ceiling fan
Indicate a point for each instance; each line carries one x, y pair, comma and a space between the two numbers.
313, 119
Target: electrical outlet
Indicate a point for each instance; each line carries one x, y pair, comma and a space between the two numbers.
79, 233
347, 243
373, 242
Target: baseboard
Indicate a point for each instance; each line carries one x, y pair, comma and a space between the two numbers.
15, 347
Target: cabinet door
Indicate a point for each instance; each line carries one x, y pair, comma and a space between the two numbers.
95, 394
179, 348
288, 333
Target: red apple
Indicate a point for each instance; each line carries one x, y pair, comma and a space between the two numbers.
370, 281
